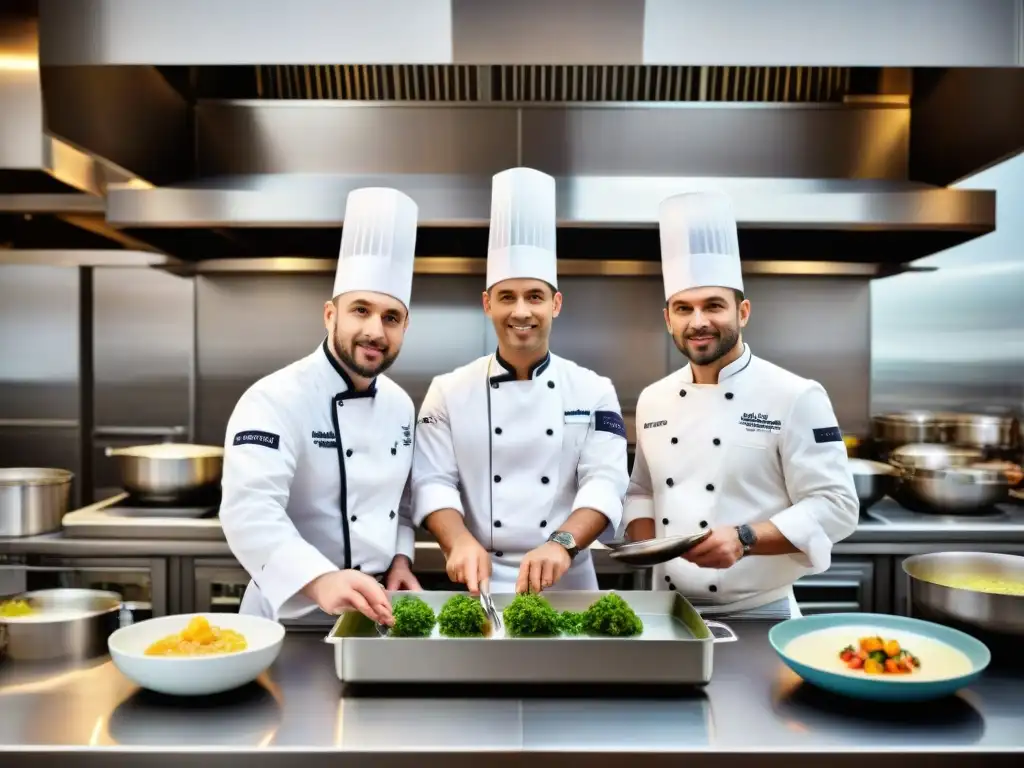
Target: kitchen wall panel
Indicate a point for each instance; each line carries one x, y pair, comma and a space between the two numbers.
817, 327
39, 367
249, 326
143, 321
954, 338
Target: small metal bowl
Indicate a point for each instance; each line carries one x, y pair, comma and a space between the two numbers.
77, 628
873, 481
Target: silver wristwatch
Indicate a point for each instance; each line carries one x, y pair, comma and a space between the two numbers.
747, 538
567, 540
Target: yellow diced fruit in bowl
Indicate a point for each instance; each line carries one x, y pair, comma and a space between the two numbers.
198, 631
198, 638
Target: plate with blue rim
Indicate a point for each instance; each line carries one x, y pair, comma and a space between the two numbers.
880, 687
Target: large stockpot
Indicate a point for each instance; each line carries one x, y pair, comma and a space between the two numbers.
934, 456
169, 470
33, 500
78, 623
873, 480
892, 430
984, 610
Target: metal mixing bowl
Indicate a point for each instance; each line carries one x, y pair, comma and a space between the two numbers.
873, 480
995, 613
955, 490
82, 620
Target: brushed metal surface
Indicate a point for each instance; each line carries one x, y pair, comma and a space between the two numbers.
33, 500
813, 141
69, 637
677, 649
954, 490
155, 472
925, 356
21, 96
816, 327
873, 33
999, 613
873, 481
934, 456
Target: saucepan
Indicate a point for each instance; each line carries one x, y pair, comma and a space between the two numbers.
169, 470
648, 552
980, 589
64, 624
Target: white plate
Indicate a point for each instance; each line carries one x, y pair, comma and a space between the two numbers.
195, 675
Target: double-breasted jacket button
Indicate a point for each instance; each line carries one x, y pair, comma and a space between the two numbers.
709, 487
703, 523
668, 579
682, 393
716, 441
545, 480
664, 521
713, 588
391, 514
550, 432
543, 523
670, 482
353, 518
551, 385
675, 440
348, 452
494, 385
497, 430
497, 523
728, 395
499, 554
497, 478
672, 587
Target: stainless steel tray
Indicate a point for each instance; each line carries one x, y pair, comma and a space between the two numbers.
675, 648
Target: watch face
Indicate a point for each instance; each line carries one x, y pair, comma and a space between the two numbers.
746, 534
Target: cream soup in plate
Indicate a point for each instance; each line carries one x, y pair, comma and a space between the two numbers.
933, 660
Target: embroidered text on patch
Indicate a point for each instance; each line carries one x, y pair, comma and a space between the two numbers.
759, 422
578, 412
324, 439
256, 437
653, 424
828, 435
610, 421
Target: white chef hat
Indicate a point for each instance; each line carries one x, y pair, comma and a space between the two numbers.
699, 243
523, 226
378, 243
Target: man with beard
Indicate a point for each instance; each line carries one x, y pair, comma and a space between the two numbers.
317, 454
520, 459
731, 444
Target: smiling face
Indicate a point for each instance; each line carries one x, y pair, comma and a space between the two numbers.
522, 311
367, 330
706, 323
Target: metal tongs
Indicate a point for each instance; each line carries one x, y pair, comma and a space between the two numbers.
488, 604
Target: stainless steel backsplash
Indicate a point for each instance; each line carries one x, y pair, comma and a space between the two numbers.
249, 326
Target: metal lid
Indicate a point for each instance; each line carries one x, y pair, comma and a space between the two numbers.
14, 476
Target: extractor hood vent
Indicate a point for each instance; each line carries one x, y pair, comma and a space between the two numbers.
560, 84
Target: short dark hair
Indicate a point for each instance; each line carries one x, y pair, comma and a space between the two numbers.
490, 291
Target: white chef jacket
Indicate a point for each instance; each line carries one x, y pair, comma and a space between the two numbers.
516, 458
316, 478
761, 445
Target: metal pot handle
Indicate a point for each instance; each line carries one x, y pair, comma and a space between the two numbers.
727, 636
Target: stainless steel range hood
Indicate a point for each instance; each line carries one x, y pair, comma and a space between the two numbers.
810, 181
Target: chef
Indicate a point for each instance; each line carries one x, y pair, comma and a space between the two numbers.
731, 443
520, 456
315, 501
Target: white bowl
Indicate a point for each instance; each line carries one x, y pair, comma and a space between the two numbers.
195, 675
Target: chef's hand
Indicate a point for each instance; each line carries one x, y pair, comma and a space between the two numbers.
542, 567
400, 576
468, 563
348, 590
722, 549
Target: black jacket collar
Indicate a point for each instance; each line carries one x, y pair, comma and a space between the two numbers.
509, 372
350, 389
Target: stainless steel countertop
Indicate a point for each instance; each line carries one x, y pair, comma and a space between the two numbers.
754, 710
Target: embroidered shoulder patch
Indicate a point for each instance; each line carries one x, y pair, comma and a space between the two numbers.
256, 437
828, 435
610, 421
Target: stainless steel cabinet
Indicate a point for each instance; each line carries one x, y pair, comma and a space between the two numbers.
849, 586
142, 583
